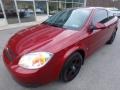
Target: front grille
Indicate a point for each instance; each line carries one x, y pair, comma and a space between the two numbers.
9, 54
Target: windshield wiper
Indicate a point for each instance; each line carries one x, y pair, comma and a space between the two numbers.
52, 24
56, 25
45, 22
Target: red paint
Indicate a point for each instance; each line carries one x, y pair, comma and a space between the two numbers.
55, 40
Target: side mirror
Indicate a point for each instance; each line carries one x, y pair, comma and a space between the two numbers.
97, 26
100, 26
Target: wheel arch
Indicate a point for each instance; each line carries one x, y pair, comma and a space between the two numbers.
82, 52
73, 50
69, 53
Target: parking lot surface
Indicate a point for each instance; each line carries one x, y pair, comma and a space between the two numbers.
101, 71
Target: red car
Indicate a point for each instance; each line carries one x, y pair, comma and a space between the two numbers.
56, 49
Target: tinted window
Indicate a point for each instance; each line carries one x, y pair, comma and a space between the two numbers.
110, 15
100, 16
71, 19
1, 13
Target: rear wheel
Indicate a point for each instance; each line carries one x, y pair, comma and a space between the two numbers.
112, 38
71, 67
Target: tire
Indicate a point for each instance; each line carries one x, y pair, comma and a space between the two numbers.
112, 38
71, 68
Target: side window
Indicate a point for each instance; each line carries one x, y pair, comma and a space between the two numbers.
110, 15
101, 16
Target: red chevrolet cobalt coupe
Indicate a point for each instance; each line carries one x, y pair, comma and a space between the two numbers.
56, 49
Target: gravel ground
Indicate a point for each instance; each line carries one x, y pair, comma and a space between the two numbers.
101, 71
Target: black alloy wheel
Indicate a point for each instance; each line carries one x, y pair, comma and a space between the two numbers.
71, 67
112, 38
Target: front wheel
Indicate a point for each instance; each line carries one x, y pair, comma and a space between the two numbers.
71, 67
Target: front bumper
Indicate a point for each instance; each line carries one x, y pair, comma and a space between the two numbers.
44, 75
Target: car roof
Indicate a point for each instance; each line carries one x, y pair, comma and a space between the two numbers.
87, 8
91, 8
113, 9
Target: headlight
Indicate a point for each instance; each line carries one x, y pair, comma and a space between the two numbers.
35, 60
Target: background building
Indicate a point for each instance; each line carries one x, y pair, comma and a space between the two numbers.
104, 3
19, 11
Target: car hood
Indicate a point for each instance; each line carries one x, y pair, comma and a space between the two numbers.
39, 38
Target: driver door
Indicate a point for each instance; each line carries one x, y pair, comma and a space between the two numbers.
97, 37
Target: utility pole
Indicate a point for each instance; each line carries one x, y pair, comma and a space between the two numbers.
114, 2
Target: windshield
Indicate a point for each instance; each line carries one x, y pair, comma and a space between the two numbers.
70, 19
